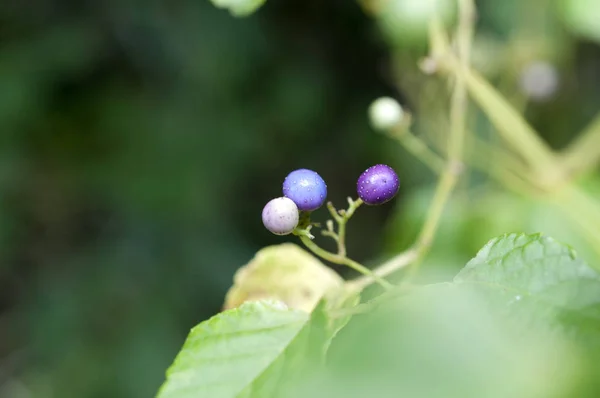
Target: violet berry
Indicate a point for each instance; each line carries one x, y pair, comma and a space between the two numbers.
377, 184
280, 216
306, 188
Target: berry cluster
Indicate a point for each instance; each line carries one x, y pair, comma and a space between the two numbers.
305, 191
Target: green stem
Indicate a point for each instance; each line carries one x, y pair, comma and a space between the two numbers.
334, 214
342, 219
584, 152
517, 132
342, 260
372, 304
420, 150
456, 139
442, 194
498, 157
523, 139
453, 167
352, 206
500, 165
503, 175
458, 107
389, 267
582, 211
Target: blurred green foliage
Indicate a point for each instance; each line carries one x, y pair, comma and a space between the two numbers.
140, 141
520, 320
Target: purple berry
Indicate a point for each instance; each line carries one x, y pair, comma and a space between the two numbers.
280, 216
377, 184
306, 188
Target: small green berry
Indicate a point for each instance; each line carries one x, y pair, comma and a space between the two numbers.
385, 113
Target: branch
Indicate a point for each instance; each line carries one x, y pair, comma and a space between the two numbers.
343, 260
458, 113
453, 167
419, 149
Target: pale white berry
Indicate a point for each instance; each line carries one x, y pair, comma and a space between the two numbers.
280, 216
385, 113
539, 80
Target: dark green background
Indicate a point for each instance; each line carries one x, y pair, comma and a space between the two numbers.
139, 141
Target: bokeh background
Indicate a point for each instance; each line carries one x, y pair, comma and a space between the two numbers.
140, 140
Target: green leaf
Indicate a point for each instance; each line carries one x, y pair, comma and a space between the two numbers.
276, 321
239, 8
519, 320
241, 352
546, 287
443, 341
539, 268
